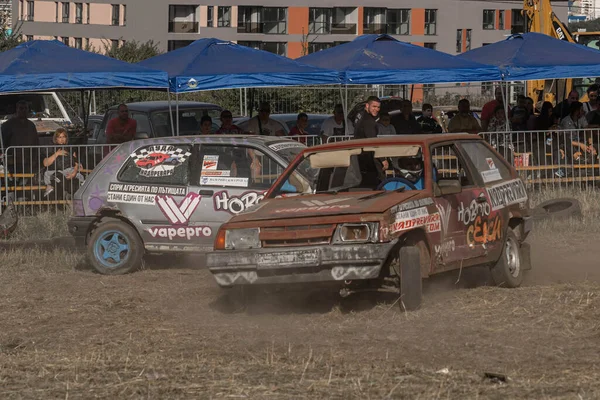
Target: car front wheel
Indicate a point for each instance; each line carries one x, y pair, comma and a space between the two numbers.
115, 248
508, 271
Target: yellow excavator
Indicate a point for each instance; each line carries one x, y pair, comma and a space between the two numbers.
540, 18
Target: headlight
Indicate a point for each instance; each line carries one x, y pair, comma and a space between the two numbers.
357, 233
242, 239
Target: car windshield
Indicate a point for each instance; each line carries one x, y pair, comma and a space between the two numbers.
372, 168
189, 119
40, 105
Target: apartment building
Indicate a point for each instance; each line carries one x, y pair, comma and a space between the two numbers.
282, 27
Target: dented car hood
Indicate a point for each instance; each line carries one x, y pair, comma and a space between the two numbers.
325, 204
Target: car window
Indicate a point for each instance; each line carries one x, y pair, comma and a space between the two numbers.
487, 164
158, 164
448, 165
237, 166
143, 125
189, 120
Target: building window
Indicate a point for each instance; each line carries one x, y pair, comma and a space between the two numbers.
56, 11
116, 15
224, 17
79, 13
87, 15
30, 10
468, 44
182, 19
21, 9
65, 40
518, 21
124, 15
342, 21
430, 22
210, 17
501, 19
314, 47
489, 19
279, 48
319, 20
78, 43
428, 91
374, 20
459, 40
66, 11
431, 46
114, 44
398, 21
274, 21
249, 20
29, 38
87, 43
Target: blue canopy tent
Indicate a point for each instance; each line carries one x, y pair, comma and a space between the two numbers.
381, 59
533, 56
51, 65
209, 64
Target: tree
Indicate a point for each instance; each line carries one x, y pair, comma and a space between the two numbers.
12, 39
131, 51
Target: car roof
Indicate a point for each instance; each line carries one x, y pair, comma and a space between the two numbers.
147, 106
424, 140
254, 139
294, 116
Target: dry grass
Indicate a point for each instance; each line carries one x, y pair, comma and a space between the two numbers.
45, 225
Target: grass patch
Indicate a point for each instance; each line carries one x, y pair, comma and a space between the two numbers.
39, 261
45, 225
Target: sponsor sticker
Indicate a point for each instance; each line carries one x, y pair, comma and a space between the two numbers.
130, 198
409, 214
492, 175
140, 194
223, 181
412, 204
210, 162
431, 222
507, 193
182, 232
490, 163
285, 145
215, 173
223, 201
179, 215
159, 160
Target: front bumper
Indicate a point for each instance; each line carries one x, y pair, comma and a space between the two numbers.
298, 264
79, 227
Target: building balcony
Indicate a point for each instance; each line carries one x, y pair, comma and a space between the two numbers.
183, 27
343, 29
250, 27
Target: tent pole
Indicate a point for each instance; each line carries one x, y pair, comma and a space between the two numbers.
345, 110
346, 107
505, 100
241, 102
177, 112
170, 109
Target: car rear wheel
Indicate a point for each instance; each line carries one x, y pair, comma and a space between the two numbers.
115, 248
411, 283
508, 271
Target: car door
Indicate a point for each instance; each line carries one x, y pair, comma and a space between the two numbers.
460, 213
234, 177
152, 190
493, 173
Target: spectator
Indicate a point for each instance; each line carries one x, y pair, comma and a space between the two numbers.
520, 114
384, 126
263, 125
575, 119
406, 123
336, 124
20, 131
206, 125
489, 108
427, 122
529, 105
62, 169
227, 126
121, 129
301, 124
546, 119
563, 108
501, 141
592, 93
593, 117
464, 121
498, 123
366, 127
542, 140
572, 148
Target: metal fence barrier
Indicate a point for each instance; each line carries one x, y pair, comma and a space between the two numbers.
44, 178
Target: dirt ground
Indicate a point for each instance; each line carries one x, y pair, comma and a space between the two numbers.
66, 332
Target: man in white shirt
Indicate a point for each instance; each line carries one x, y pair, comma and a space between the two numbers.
263, 125
336, 125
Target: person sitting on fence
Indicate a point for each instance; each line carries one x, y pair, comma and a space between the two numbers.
464, 121
384, 126
572, 147
406, 123
427, 122
20, 131
336, 125
227, 125
206, 125
62, 169
263, 125
501, 140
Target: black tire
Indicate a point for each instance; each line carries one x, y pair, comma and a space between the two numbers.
411, 283
508, 271
558, 208
115, 248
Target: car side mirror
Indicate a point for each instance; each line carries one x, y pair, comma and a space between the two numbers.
141, 135
448, 186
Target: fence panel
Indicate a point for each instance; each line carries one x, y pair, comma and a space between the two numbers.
44, 178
